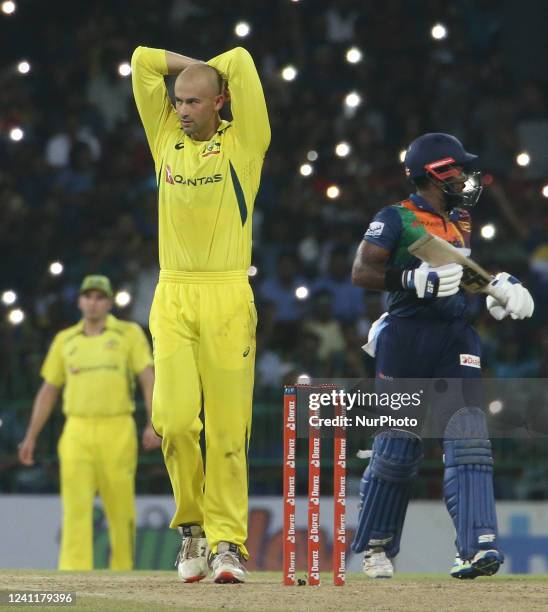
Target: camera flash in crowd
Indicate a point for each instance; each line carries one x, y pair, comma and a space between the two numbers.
9, 297
122, 298
301, 293
312, 155
242, 29
488, 231
124, 69
403, 152
333, 192
342, 149
439, 32
306, 169
8, 7
353, 55
23, 67
545, 191
252, 271
495, 406
16, 134
289, 73
56, 268
16, 316
353, 99
523, 159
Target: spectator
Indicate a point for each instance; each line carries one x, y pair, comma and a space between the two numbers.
281, 288
325, 327
348, 300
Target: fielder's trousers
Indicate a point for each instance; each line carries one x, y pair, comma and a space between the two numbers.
203, 329
97, 455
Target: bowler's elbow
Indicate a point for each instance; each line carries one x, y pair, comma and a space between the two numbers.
242, 53
136, 56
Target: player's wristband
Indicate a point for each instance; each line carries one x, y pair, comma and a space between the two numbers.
393, 279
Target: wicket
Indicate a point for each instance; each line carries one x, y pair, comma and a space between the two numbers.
290, 485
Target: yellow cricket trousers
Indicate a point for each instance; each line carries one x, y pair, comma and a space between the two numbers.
203, 330
97, 454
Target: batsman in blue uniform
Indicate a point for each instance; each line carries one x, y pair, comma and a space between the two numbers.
426, 334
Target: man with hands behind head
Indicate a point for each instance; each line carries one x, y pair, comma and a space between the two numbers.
203, 317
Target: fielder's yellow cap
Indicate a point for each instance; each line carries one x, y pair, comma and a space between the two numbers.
98, 283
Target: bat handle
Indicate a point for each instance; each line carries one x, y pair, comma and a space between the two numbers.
493, 292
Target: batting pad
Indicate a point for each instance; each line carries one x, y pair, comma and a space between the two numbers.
468, 482
384, 491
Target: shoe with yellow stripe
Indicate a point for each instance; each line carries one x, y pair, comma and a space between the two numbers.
484, 563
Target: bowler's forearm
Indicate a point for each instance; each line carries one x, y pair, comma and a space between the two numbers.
177, 63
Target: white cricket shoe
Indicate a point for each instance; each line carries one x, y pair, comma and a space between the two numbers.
191, 561
227, 564
376, 564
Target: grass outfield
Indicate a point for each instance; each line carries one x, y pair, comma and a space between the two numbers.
151, 591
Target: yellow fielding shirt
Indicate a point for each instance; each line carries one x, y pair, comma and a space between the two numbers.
206, 189
98, 372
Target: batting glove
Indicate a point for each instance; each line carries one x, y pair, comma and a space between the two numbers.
430, 283
507, 296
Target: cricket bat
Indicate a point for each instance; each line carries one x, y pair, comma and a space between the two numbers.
438, 252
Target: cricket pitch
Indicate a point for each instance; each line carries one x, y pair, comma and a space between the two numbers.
151, 591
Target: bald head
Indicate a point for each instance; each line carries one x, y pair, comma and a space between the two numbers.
201, 76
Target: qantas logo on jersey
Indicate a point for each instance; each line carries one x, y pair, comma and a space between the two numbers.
194, 182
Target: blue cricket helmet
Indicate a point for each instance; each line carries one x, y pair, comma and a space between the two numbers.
442, 159
429, 149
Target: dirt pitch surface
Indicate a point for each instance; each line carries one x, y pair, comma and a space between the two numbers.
151, 591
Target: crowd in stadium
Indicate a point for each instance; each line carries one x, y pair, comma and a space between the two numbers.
77, 184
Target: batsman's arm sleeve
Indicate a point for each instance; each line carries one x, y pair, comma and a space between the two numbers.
385, 229
246, 98
148, 68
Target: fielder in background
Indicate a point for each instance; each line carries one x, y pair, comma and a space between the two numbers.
425, 334
203, 317
95, 361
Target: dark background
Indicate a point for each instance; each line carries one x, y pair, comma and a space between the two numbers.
80, 187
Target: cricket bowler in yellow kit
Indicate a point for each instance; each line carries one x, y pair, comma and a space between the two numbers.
96, 362
203, 317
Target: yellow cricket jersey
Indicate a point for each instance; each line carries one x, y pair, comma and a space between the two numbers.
98, 372
206, 189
